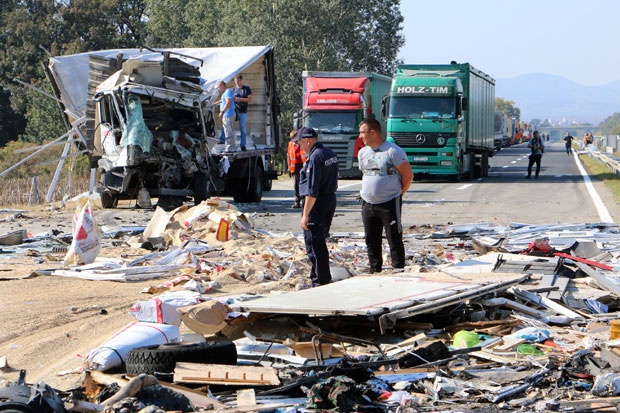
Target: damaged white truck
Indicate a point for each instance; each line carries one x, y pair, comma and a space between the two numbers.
148, 120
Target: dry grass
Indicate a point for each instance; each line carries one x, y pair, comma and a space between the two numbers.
601, 172
20, 185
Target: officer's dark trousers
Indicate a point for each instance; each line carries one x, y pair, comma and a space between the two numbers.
376, 217
319, 222
534, 159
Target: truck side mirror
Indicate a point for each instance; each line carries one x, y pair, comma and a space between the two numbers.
384, 105
464, 103
296, 118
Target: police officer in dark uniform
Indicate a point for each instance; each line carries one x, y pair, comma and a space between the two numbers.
318, 181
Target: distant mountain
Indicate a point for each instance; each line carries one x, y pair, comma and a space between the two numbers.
545, 96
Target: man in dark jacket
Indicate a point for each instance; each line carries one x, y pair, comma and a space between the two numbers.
318, 182
537, 146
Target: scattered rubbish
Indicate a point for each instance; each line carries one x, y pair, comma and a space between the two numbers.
86, 242
510, 318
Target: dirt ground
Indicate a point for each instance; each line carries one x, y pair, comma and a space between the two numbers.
49, 324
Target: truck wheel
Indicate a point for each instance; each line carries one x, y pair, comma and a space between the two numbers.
162, 358
169, 202
200, 184
484, 165
249, 189
108, 199
267, 184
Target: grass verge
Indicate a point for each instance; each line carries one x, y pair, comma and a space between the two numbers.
601, 172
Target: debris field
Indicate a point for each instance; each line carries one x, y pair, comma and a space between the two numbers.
484, 318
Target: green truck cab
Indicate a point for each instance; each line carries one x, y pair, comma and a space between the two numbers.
442, 117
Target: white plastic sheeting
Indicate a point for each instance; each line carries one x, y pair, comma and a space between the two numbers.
218, 63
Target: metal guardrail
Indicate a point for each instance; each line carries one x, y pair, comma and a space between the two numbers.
608, 159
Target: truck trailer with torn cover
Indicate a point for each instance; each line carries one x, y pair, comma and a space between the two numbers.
148, 120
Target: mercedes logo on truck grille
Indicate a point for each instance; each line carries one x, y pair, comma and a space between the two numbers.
419, 138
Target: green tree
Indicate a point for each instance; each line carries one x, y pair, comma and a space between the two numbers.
102, 24
167, 22
43, 117
29, 28
611, 125
508, 107
331, 35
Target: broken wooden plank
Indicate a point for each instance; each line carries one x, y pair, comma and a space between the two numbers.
198, 398
579, 260
545, 302
224, 374
508, 343
599, 278
501, 301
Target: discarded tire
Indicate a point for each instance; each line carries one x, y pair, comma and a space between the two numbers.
162, 358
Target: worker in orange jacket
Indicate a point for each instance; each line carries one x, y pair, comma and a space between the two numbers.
296, 159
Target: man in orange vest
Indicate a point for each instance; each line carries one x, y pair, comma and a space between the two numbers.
296, 159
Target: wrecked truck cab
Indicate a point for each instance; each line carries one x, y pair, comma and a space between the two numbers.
154, 144
150, 125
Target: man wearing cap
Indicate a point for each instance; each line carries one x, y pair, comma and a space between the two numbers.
318, 181
386, 177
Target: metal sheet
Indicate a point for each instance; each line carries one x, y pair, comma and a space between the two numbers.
362, 295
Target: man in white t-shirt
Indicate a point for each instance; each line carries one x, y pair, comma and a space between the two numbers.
386, 177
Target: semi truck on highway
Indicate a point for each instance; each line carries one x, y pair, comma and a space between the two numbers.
503, 127
147, 119
334, 103
442, 116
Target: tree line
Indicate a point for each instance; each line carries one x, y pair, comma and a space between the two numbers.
331, 35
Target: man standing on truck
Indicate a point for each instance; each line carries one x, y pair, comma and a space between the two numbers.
227, 114
386, 177
317, 184
537, 146
243, 96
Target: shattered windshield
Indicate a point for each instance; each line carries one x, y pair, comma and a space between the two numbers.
333, 122
423, 107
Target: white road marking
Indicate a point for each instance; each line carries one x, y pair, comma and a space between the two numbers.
464, 186
350, 185
603, 213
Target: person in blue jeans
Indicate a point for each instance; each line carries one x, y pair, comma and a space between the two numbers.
243, 97
227, 114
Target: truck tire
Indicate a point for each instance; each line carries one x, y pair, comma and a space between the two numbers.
250, 188
200, 184
162, 358
484, 165
267, 184
109, 199
165, 398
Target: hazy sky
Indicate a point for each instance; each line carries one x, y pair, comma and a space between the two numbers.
575, 39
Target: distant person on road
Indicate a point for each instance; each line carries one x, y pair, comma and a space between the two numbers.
296, 159
318, 181
568, 140
587, 139
386, 177
537, 146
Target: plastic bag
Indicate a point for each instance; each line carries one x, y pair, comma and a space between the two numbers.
86, 242
163, 308
465, 339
